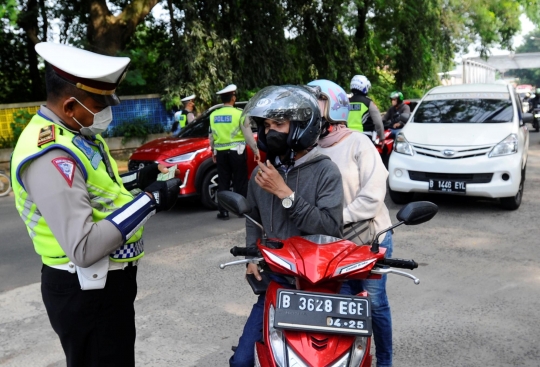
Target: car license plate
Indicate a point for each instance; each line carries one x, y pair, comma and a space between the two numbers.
448, 186
326, 313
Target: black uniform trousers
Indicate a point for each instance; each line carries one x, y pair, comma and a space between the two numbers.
232, 166
95, 327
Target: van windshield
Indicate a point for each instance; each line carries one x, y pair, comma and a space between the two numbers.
465, 108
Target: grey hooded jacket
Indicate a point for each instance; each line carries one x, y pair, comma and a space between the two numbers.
317, 207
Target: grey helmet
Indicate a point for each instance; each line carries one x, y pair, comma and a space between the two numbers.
294, 103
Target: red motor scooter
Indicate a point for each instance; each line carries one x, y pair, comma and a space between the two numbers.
310, 323
384, 147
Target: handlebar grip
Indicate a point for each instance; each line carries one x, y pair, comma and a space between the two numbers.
245, 251
399, 263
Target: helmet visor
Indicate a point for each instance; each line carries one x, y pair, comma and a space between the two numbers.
279, 103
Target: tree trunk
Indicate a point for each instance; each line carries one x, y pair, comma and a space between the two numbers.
108, 34
29, 22
173, 23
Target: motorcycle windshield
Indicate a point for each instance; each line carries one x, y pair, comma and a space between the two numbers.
321, 239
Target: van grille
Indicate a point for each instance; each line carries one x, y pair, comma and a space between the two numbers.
472, 178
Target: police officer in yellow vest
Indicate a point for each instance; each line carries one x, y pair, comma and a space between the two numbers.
185, 116
84, 222
363, 113
228, 137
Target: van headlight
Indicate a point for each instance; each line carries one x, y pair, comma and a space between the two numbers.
401, 145
184, 157
506, 147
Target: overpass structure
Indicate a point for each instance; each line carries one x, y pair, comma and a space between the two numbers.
478, 70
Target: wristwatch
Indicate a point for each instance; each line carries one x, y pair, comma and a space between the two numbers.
288, 201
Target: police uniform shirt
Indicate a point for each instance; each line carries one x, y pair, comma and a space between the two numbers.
66, 209
248, 136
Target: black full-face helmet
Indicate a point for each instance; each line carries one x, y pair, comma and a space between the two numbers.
294, 103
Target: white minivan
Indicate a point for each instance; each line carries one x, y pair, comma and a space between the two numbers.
468, 139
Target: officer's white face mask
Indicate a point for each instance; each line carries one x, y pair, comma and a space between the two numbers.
102, 120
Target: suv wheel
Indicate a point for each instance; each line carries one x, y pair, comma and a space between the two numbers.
400, 197
209, 189
513, 202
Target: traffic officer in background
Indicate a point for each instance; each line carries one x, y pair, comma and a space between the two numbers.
185, 116
363, 113
228, 136
82, 219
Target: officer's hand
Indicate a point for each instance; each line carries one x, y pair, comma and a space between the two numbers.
164, 193
269, 179
147, 175
253, 269
257, 157
214, 159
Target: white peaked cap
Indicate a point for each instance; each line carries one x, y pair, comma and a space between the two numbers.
228, 89
189, 98
94, 73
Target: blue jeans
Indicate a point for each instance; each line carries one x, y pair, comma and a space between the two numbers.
244, 356
394, 132
381, 317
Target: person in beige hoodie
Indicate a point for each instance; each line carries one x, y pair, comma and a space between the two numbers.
364, 212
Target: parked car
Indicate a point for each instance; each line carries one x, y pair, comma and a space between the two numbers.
466, 139
190, 150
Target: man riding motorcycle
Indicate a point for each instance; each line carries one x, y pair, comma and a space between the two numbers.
363, 113
298, 191
392, 115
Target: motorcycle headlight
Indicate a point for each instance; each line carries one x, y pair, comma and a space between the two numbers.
184, 157
294, 360
358, 351
276, 340
343, 361
401, 145
506, 147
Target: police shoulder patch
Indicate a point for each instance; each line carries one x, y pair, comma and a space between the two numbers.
66, 167
46, 135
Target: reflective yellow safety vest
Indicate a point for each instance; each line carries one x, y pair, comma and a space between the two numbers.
182, 120
357, 114
225, 126
106, 194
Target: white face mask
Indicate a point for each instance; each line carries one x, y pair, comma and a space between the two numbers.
102, 120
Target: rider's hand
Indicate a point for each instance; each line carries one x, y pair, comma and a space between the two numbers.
253, 269
269, 179
396, 125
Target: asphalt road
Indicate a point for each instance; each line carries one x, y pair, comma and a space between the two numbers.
477, 303
187, 222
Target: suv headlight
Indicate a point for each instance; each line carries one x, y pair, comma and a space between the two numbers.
184, 157
506, 147
401, 145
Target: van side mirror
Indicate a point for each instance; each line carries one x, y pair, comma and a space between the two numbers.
527, 118
404, 117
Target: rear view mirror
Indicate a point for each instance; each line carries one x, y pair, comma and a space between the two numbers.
233, 202
417, 212
404, 117
527, 118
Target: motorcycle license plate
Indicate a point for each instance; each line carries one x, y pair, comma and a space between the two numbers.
326, 313
448, 186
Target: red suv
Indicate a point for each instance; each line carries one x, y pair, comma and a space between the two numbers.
190, 150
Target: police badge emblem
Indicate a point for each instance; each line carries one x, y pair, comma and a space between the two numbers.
46, 135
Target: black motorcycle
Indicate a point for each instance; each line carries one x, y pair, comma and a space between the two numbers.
536, 120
